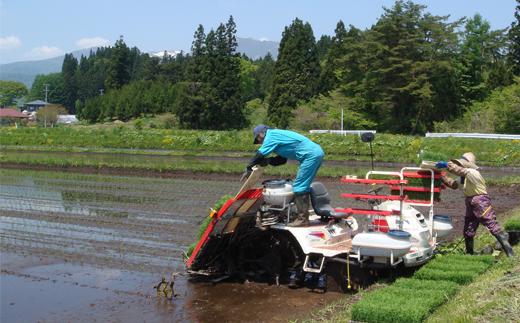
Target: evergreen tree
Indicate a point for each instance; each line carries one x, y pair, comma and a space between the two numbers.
118, 71
398, 86
514, 42
263, 76
213, 100
481, 53
323, 45
70, 83
328, 77
296, 72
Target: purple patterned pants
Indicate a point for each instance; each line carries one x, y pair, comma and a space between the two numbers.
479, 210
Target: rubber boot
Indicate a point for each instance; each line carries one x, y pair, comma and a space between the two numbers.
469, 245
502, 238
302, 209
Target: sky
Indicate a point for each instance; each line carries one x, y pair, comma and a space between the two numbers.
39, 29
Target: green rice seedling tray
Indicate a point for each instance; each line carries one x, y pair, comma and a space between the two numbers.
395, 304
459, 277
448, 287
478, 267
512, 224
470, 258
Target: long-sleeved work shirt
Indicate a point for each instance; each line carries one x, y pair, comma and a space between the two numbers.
474, 183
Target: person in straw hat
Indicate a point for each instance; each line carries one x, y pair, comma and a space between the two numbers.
478, 204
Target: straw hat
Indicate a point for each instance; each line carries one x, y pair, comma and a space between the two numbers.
467, 160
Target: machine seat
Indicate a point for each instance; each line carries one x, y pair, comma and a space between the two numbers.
320, 201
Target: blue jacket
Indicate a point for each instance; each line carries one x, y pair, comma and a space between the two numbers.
289, 144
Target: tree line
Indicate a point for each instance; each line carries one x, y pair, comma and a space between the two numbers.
408, 72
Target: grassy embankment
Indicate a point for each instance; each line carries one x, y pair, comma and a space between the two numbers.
492, 296
184, 146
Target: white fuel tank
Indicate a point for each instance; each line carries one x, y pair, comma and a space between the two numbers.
379, 244
442, 225
277, 192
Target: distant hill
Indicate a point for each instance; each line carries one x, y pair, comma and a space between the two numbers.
255, 49
26, 71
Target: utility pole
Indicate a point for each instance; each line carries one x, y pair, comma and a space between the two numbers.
46, 91
342, 120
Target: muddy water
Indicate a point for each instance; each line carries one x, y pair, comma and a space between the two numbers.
87, 247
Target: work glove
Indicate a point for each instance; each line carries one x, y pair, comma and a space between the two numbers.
258, 159
277, 161
441, 164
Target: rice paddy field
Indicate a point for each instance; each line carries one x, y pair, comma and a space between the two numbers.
87, 244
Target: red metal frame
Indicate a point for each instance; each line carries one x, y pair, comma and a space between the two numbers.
374, 181
419, 174
372, 196
247, 195
367, 212
416, 189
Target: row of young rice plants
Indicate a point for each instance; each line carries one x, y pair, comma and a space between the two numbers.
413, 299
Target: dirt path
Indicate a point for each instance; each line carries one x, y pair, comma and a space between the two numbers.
84, 247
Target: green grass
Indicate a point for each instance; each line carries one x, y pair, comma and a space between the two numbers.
387, 147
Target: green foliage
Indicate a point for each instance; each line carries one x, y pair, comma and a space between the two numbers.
393, 148
499, 113
48, 115
56, 94
10, 91
213, 97
324, 112
70, 82
132, 100
481, 54
118, 70
256, 112
513, 35
296, 72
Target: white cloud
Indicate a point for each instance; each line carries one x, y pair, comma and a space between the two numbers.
44, 52
92, 42
264, 39
10, 42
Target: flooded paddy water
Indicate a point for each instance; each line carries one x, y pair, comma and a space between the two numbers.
86, 247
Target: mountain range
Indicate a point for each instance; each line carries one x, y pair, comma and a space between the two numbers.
26, 71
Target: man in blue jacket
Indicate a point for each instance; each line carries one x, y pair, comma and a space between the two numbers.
290, 145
